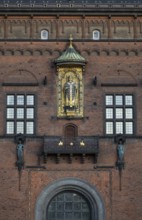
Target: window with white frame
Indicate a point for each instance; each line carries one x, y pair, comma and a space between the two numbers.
119, 114
20, 114
96, 35
44, 34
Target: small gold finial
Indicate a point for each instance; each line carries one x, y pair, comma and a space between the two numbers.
71, 39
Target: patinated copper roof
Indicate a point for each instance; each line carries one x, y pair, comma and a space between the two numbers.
70, 56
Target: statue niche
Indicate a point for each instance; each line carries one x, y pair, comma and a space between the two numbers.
70, 92
70, 67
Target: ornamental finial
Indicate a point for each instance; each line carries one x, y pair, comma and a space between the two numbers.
71, 39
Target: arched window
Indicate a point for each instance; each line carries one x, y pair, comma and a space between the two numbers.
44, 35
69, 199
68, 205
70, 131
96, 35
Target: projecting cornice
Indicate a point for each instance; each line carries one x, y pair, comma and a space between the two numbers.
52, 7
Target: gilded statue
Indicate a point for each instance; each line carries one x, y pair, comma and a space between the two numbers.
70, 92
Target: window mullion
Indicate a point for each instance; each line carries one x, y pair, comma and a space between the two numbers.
15, 113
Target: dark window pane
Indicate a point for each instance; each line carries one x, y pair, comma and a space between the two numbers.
51, 215
60, 197
85, 206
60, 206
68, 216
68, 206
76, 197
86, 216
77, 216
52, 206
60, 215
68, 196
77, 206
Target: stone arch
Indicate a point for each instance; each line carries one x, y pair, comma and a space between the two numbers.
28, 52
85, 53
122, 76
104, 53
133, 53
9, 52
56, 52
114, 52
17, 76
123, 53
84, 188
47, 52
37, 52
95, 53
18, 52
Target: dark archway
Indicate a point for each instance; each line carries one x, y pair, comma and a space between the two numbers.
68, 205
78, 186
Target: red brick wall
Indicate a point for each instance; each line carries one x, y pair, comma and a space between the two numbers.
116, 63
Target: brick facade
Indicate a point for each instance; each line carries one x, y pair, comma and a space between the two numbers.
115, 60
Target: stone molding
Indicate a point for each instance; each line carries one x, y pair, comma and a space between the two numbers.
56, 52
74, 184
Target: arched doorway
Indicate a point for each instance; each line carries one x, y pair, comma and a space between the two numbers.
69, 188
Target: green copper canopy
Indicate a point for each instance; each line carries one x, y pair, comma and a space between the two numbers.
70, 56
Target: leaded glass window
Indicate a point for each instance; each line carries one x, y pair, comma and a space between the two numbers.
119, 114
96, 35
68, 205
20, 114
44, 34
